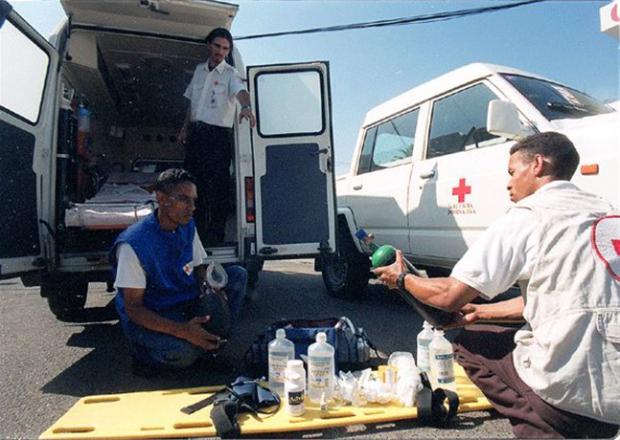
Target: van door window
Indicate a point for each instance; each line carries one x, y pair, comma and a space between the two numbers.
459, 122
294, 94
23, 68
387, 144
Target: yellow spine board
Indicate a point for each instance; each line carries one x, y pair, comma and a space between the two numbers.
157, 414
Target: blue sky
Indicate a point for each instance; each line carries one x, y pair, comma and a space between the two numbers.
557, 39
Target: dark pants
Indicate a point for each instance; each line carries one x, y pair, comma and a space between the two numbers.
207, 156
150, 346
485, 352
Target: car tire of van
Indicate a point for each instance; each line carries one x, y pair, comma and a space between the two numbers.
66, 297
345, 273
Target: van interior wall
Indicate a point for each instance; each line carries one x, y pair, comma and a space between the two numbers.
133, 86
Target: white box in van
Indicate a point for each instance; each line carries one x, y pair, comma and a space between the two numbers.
88, 121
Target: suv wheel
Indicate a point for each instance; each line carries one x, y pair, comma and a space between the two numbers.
66, 297
346, 272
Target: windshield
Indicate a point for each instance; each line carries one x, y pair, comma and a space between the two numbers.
556, 101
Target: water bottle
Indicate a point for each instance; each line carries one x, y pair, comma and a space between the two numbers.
279, 352
320, 369
441, 362
423, 340
295, 387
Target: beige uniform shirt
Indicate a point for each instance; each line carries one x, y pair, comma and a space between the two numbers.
213, 94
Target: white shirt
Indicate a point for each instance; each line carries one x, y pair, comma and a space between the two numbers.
130, 273
567, 352
504, 254
212, 94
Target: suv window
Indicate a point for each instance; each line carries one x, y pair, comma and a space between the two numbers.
388, 143
459, 121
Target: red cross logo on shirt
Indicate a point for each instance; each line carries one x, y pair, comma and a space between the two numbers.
461, 190
604, 238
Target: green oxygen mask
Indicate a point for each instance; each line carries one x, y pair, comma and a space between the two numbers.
383, 256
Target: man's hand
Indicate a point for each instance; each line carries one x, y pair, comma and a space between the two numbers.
471, 313
389, 274
510, 310
246, 113
195, 334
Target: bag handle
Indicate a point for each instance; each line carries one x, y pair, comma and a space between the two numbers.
344, 320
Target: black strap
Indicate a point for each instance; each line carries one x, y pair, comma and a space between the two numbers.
203, 403
5, 9
430, 403
224, 417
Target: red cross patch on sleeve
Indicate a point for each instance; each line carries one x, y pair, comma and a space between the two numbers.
605, 240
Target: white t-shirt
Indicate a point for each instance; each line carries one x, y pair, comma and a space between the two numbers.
212, 94
504, 254
130, 273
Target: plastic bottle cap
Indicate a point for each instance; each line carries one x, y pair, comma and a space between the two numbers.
280, 333
439, 332
427, 324
321, 337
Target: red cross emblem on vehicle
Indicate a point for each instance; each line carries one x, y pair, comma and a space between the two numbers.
461, 190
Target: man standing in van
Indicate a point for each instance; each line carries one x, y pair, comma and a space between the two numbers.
559, 374
208, 133
160, 277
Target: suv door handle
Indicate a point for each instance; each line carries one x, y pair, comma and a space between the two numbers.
427, 174
357, 187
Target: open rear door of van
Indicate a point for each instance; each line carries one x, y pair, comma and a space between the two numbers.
179, 18
293, 160
28, 71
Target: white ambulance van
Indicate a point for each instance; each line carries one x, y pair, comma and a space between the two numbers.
429, 172
88, 121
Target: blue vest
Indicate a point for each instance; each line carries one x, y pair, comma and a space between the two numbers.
166, 258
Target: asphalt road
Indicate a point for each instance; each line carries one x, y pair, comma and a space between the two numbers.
47, 365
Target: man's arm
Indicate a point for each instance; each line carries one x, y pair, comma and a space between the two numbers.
509, 310
443, 293
246, 108
183, 132
190, 331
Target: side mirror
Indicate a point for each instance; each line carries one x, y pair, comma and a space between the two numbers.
503, 120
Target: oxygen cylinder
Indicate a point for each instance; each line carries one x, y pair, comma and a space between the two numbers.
82, 147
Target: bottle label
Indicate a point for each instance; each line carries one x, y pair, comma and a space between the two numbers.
296, 397
319, 372
444, 368
277, 365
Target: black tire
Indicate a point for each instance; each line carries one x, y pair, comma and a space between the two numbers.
66, 297
345, 273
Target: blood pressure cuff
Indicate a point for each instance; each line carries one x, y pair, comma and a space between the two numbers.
243, 395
